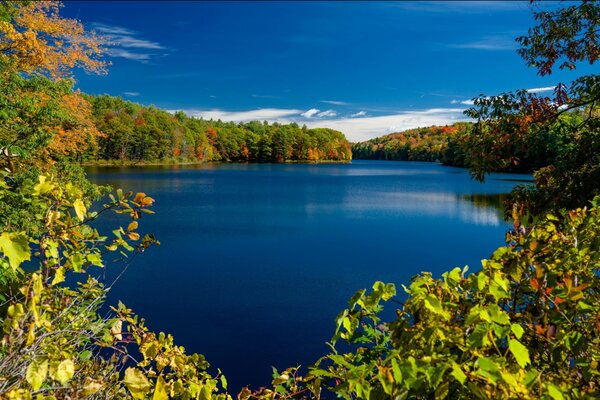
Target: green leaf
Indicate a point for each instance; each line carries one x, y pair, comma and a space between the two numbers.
458, 373
433, 304
517, 330
136, 382
555, 392
36, 373
15, 247
79, 209
519, 351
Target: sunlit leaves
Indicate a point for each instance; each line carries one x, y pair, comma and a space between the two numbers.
15, 246
137, 383
36, 373
38, 40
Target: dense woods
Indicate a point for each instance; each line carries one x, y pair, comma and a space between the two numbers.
434, 143
526, 325
131, 132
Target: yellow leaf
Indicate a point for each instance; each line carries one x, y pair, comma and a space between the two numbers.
160, 391
31, 334
36, 373
91, 387
79, 209
133, 235
136, 382
65, 371
116, 330
59, 276
132, 226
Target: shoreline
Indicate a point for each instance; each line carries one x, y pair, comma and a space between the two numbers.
104, 163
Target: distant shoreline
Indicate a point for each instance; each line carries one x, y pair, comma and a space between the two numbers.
129, 163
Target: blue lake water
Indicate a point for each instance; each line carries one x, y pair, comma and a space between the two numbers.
257, 259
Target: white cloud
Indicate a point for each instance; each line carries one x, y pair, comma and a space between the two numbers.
464, 102
122, 40
310, 113
328, 113
359, 129
131, 94
355, 129
489, 43
262, 114
541, 89
335, 102
358, 114
112, 30
122, 53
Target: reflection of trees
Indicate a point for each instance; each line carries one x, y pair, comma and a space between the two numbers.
494, 201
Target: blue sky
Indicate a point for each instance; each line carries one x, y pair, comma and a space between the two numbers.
365, 68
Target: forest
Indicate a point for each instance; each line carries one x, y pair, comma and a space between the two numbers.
129, 132
524, 325
420, 144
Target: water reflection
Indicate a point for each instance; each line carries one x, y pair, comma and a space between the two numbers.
257, 259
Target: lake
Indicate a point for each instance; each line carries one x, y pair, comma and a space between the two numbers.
257, 260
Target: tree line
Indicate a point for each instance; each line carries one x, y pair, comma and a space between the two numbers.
132, 132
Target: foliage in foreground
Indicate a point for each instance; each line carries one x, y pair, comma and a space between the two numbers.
526, 325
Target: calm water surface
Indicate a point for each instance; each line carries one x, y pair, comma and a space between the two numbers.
257, 259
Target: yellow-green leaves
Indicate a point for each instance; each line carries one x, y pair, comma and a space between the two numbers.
43, 186
62, 371
136, 382
36, 373
15, 247
519, 351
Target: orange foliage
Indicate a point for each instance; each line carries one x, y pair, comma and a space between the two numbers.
212, 134
39, 40
79, 133
245, 151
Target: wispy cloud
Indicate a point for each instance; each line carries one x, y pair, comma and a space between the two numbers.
131, 94
489, 43
316, 113
265, 96
129, 55
310, 113
462, 7
541, 89
358, 114
261, 114
126, 43
464, 102
355, 129
335, 102
327, 113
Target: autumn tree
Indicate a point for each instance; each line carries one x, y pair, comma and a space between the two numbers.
562, 130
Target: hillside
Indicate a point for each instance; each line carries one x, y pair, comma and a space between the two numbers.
434, 143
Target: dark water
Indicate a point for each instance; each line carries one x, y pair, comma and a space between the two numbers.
256, 260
